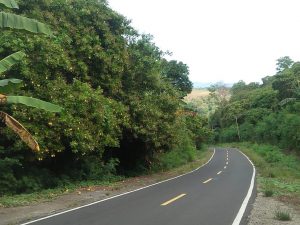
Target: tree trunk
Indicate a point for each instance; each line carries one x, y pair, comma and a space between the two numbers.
237, 128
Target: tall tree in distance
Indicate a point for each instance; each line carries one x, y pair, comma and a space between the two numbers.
284, 63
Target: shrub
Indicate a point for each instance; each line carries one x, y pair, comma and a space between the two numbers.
283, 216
268, 193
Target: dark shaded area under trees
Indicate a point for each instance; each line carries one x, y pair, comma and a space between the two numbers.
123, 101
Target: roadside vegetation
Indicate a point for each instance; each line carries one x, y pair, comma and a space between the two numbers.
278, 171
112, 183
283, 216
266, 113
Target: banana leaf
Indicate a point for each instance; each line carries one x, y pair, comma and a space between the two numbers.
19, 129
11, 60
13, 21
7, 86
9, 4
7, 81
33, 102
287, 100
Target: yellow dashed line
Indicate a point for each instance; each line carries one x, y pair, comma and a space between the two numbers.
172, 200
207, 181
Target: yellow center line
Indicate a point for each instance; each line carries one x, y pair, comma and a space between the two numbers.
207, 181
219, 172
172, 200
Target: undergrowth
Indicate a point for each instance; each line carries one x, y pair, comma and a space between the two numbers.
196, 158
278, 172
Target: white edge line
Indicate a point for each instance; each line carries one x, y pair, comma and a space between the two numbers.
106, 199
242, 210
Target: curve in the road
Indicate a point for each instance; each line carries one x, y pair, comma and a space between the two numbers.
213, 195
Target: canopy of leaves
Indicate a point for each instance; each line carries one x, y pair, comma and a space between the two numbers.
177, 73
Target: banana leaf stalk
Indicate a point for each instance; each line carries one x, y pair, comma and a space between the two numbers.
20, 130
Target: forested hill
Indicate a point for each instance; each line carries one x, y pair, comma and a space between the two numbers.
122, 100
263, 113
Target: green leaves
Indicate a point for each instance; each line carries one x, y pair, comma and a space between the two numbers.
13, 21
9, 4
33, 102
8, 85
11, 60
6, 82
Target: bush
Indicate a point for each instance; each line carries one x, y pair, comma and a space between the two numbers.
283, 216
229, 134
268, 193
8, 180
181, 154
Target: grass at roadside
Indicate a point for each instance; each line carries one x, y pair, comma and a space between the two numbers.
49, 194
201, 157
278, 173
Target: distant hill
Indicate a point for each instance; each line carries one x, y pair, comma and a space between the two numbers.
200, 101
201, 84
208, 84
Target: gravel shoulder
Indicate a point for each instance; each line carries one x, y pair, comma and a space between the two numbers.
265, 208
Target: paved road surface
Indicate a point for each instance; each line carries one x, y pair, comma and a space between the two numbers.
212, 195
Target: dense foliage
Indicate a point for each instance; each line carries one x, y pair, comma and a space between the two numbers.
265, 113
122, 99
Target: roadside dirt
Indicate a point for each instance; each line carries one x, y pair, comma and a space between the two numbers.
265, 208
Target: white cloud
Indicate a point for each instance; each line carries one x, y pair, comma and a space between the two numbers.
220, 40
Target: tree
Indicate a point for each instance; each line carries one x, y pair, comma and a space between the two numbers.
235, 111
13, 21
284, 63
287, 83
177, 73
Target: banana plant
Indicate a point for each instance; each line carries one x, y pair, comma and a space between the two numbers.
13, 21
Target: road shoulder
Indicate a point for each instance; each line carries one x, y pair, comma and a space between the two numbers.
265, 208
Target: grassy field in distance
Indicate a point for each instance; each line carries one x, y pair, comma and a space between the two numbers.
196, 94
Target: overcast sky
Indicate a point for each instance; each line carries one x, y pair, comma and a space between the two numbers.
220, 40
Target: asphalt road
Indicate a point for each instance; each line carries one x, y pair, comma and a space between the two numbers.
215, 194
